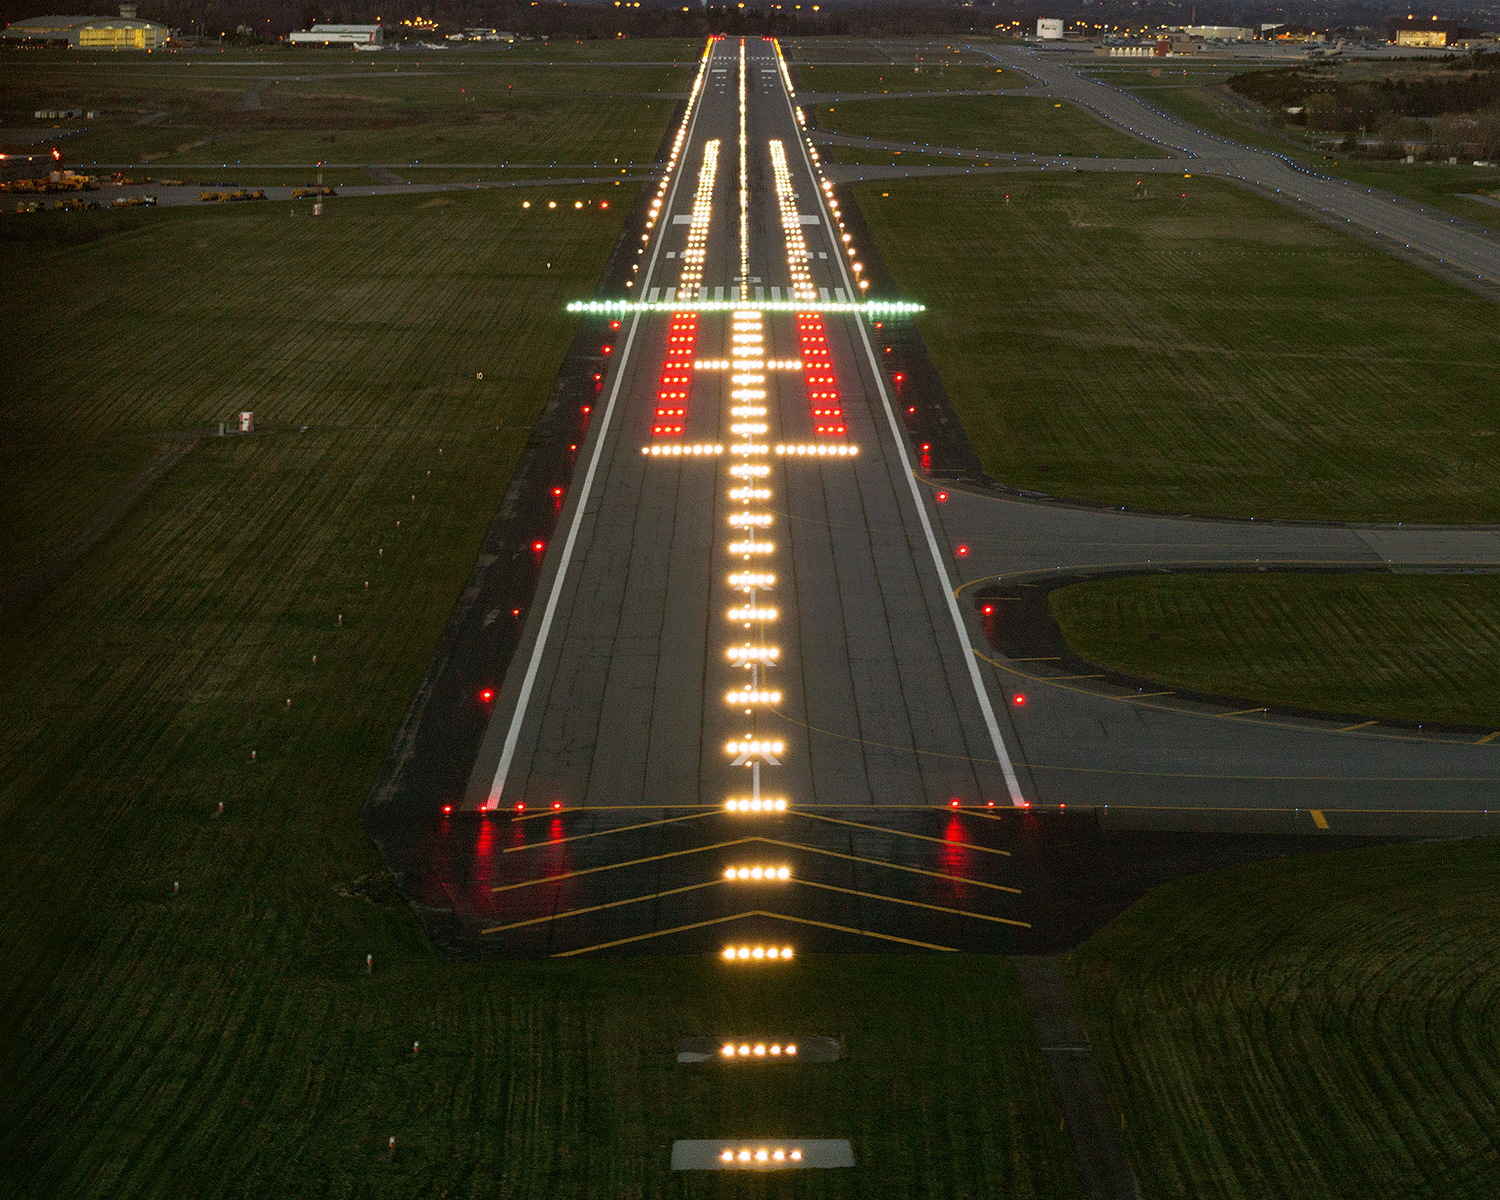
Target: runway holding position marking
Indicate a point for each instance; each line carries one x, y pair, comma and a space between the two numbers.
745, 616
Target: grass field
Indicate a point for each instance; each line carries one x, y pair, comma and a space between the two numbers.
1214, 354
1411, 647
446, 109
811, 77
1319, 1027
991, 124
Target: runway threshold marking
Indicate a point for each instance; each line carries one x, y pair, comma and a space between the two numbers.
578, 837
633, 862
755, 912
953, 912
922, 837
579, 912
1319, 819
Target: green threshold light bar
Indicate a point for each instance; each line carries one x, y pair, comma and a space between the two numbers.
878, 308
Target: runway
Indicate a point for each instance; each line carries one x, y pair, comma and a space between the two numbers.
744, 641
753, 703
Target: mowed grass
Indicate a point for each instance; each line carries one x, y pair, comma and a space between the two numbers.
223, 1038
443, 108
1213, 354
1320, 1027
1410, 647
991, 124
392, 302
903, 77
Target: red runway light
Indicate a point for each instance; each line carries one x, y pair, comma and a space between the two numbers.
989, 804
447, 809
942, 497
520, 807
607, 349
538, 546
557, 806
1019, 700
988, 609
557, 491
587, 408
926, 446
614, 324
953, 803
487, 694
900, 378
962, 552
515, 612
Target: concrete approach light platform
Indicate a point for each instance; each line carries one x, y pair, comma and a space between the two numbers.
758, 1050
760, 1154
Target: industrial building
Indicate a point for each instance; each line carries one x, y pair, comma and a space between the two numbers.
338, 35
90, 33
1428, 31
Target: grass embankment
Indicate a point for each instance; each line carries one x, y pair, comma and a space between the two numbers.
224, 1040
1318, 1027
1216, 354
1408, 647
988, 124
811, 77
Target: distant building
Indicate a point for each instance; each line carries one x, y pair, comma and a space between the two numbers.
90, 33
1049, 28
1218, 33
1428, 31
338, 35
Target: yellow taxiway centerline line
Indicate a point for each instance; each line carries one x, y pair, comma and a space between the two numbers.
634, 862
954, 912
875, 862
812, 816
578, 837
578, 912
754, 912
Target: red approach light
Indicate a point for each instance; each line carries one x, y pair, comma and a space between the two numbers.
614, 324
942, 497
1019, 699
587, 408
911, 409
926, 447
989, 609
538, 546
557, 806
989, 804
486, 694
557, 491
597, 378
515, 612
962, 551
607, 349
447, 810
953, 803
900, 378
520, 806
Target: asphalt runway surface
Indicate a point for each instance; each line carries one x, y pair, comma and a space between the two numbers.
757, 644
